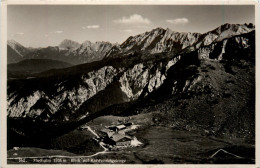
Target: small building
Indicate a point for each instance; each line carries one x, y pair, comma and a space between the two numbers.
121, 132
117, 128
116, 135
120, 139
120, 127
107, 132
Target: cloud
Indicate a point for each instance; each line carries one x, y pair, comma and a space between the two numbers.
133, 19
91, 27
178, 21
127, 30
58, 31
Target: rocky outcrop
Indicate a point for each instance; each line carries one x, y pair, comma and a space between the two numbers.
133, 81
218, 50
40, 101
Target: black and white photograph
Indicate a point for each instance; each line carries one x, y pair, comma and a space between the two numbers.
130, 84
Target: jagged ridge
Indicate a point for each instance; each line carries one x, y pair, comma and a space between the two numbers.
165, 40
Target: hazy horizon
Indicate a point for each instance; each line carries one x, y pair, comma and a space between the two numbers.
48, 25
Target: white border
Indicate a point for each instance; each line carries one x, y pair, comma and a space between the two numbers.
3, 71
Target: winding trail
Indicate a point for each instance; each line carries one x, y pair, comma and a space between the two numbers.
100, 143
93, 132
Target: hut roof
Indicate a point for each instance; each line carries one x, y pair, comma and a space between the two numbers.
105, 130
117, 137
109, 134
121, 126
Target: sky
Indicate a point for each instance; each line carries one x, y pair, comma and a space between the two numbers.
48, 25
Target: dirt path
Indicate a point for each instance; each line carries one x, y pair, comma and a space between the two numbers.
100, 143
93, 132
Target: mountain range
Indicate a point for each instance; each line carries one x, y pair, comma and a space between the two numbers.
68, 51
165, 40
156, 41
201, 81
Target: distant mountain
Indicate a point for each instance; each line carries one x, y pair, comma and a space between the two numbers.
15, 51
69, 44
13, 56
68, 51
20, 49
31, 66
93, 51
161, 40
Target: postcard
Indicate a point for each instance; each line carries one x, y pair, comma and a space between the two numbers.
129, 84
